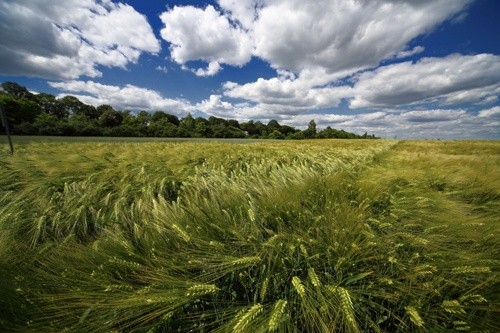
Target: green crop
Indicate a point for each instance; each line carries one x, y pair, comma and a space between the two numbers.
313, 236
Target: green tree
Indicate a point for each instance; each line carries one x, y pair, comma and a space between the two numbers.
74, 106
310, 132
250, 128
188, 124
286, 130
276, 135
19, 110
47, 124
273, 125
299, 135
163, 128
201, 128
84, 126
261, 129
51, 106
103, 108
143, 118
110, 118
14, 89
234, 123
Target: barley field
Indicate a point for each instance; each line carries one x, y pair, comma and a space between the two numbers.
256, 236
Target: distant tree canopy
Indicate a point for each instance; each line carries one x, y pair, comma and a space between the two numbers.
44, 114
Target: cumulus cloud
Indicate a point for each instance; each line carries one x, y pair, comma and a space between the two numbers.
342, 35
454, 79
287, 95
245, 12
339, 37
205, 34
327, 51
66, 39
212, 69
128, 97
215, 104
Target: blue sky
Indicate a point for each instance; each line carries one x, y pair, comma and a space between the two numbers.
406, 69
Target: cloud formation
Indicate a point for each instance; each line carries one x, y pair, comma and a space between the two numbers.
338, 37
328, 51
455, 79
415, 124
287, 95
493, 113
65, 39
204, 34
129, 97
329, 56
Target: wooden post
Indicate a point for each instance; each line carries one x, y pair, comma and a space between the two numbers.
5, 124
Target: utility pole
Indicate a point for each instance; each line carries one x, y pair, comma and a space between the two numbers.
5, 124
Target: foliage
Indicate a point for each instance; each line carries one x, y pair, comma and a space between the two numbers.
68, 116
308, 236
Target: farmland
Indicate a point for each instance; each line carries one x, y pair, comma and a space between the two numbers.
265, 236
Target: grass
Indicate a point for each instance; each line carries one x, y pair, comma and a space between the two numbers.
310, 236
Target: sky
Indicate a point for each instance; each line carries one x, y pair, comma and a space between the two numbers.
406, 69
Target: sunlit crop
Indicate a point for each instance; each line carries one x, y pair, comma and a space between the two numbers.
310, 236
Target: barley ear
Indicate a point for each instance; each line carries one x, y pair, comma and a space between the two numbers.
299, 287
414, 316
277, 314
314, 277
247, 318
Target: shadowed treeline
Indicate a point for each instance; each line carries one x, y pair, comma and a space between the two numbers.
44, 114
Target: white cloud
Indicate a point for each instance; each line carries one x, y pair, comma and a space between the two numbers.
480, 95
70, 38
455, 78
433, 116
493, 113
212, 69
163, 69
205, 34
320, 49
414, 124
215, 105
286, 95
409, 53
128, 97
245, 12
343, 35
335, 36
448, 81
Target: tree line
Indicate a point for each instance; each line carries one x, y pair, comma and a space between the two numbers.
44, 114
